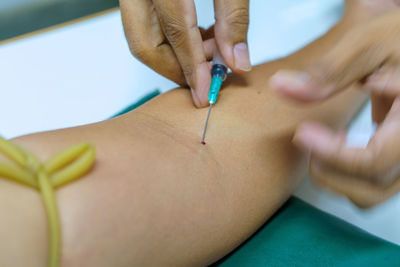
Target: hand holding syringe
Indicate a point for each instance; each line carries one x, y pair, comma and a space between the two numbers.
164, 35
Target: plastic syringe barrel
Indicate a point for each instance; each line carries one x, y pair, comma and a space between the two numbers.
217, 59
219, 68
218, 75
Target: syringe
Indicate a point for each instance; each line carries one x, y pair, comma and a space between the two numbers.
218, 75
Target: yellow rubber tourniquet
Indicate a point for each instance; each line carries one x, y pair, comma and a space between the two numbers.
63, 168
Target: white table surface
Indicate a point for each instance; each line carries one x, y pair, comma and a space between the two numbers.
84, 73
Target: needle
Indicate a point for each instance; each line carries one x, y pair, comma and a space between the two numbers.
218, 75
205, 127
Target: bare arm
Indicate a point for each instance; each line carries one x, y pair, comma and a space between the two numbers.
156, 195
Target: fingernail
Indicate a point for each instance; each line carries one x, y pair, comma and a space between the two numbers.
242, 57
195, 97
294, 80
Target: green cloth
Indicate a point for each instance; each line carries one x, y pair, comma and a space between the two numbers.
301, 235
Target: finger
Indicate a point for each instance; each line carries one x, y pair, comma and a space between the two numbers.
147, 41
209, 44
331, 148
231, 27
382, 88
377, 163
385, 82
385, 144
179, 23
356, 55
360, 192
209, 48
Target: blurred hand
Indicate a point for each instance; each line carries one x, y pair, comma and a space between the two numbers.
164, 35
369, 55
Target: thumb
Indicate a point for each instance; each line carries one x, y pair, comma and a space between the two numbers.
352, 59
231, 27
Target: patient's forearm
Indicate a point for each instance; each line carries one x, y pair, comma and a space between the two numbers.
157, 196
250, 166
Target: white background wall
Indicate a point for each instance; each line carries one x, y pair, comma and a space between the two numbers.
83, 73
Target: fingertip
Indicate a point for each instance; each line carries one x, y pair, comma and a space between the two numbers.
299, 86
286, 84
376, 83
202, 85
195, 98
236, 57
303, 140
241, 57
286, 80
312, 137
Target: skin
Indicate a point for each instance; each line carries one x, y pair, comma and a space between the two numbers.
166, 31
369, 56
156, 196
